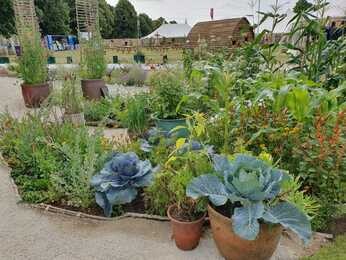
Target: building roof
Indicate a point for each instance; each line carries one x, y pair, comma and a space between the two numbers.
170, 31
221, 32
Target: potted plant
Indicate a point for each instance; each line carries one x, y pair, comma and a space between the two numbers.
187, 216
93, 67
247, 209
167, 96
33, 70
72, 101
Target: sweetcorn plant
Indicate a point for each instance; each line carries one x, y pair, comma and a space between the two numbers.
256, 186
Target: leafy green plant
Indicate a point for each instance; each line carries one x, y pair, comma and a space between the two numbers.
71, 95
167, 91
135, 115
33, 60
256, 186
53, 162
119, 180
96, 111
93, 62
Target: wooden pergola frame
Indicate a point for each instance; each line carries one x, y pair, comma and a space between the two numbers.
25, 17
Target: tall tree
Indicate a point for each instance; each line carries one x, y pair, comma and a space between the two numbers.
7, 23
125, 20
106, 14
158, 22
146, 25
301, 6
54, 16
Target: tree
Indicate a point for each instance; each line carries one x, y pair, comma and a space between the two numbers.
125, 20
106, 17
158, 22
146, 25
54, 16
301, 6
7, 22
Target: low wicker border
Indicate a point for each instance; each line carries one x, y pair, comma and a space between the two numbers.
66, 212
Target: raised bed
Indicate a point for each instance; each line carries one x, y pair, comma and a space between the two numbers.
67, 212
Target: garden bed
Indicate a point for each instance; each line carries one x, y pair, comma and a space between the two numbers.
136, 209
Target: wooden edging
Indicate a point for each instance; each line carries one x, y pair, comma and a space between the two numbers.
66, 212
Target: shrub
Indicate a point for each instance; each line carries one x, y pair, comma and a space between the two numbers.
52, 162
107, 108
167, 91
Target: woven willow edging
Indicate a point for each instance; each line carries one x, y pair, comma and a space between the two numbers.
60, 211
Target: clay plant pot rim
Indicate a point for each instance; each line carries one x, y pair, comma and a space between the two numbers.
170, 120
37, 85
183, 222
210, 207
92, 79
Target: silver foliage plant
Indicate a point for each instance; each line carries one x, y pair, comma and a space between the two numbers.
256, 186
119, 180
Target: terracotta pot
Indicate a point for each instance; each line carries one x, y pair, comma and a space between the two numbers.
35, 94
232, 247
92, 88
186, 234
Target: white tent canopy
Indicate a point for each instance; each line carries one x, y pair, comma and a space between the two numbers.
170, 31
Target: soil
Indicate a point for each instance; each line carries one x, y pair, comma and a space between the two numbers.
226, 210
337, 226
136, 206
184, 216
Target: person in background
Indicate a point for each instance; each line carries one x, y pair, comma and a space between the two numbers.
341, 31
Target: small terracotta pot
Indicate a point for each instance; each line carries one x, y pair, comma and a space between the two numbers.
92, 88
232, 247
35, 94
186, 234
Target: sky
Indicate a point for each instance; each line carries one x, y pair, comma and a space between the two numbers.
198, 10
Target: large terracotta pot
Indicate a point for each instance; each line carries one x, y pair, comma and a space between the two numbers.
35, 94
232, 247
92, 88
186, 234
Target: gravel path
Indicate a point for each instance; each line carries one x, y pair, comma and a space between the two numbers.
33, 234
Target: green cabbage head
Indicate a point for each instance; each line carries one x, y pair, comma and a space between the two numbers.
256, 185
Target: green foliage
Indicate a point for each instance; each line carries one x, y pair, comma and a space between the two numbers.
134, 75
52, 162
333, 251
106, 19
301, 6
170, 184
7, 25
96, 111
33, 61
146, 25
54, 16
93, 61
168, 89
70, 97
135, 115
125, 20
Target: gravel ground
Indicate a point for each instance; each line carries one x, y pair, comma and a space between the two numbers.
33, 234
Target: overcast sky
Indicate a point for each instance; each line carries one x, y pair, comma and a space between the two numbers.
198, 10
